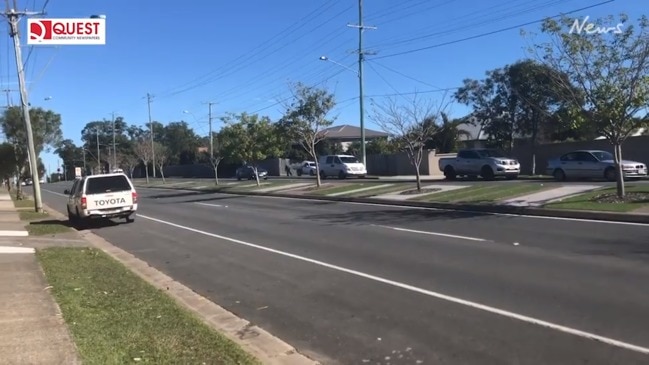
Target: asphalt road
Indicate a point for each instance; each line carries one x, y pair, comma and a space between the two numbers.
356, 284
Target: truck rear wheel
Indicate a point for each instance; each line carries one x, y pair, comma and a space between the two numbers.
449, 173
487, 173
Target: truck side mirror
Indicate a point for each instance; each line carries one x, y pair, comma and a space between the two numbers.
66, 192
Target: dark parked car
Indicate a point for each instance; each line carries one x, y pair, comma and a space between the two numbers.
248, 172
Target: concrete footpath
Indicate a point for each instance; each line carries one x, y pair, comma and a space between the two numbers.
10, 223
32, 330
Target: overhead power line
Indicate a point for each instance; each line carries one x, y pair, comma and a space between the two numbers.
483, 19
490, 33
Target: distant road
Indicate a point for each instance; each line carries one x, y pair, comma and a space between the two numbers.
369, 284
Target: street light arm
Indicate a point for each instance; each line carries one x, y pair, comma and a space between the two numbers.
325, 58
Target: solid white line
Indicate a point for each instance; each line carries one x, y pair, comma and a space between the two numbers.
13, 234
11, 249
212, 205
55, 193
360, 190
412, 288
431, 233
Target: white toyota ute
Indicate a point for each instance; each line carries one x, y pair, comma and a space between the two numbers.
102, 196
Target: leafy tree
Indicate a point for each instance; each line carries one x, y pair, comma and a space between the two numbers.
250, 139
306, 117
128, 161
8, 165
610, 70
182, 143
410, 126
46, 131
71, 154
448, 134
516, 100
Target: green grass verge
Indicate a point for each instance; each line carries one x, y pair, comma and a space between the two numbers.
117, 318
381, 191
47, 228
483, 193
23, 203
40, 226
29, 215
342, 188
586, 202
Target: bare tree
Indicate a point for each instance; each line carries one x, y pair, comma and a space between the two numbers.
306, 119
216, 157
144, 152
128, 161
411, 125
161, 158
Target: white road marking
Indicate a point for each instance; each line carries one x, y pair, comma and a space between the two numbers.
431, 233
11, 249
55, 193
430, 293
14, 234
212, 205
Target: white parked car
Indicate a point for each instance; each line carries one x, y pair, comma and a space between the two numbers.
341, 166
102, 196
307, 168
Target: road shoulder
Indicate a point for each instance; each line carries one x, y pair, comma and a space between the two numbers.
267, 348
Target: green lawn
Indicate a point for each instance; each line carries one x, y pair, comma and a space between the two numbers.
342, 188
483, 193
586, 201
115, 317
24, 203
39, 225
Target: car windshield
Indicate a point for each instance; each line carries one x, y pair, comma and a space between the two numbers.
491, 153
348, 159
107, 184
603, 155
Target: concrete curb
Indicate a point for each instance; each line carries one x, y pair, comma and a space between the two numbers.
469, 208
267, 348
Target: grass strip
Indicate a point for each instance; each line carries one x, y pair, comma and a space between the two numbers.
115, 317
585, 201
39, 225
483, 193
342, 188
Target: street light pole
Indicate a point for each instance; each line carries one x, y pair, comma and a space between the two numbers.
13, 17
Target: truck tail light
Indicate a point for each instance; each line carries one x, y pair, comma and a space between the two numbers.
84, 202
134, 195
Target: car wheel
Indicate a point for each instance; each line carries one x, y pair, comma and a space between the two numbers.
609, 174
487, 173
299, 172
312, 172
323, 176
130, 218
559, 175
449, 173
71, 216
342, 175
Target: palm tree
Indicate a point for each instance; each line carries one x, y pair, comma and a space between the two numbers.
448, 134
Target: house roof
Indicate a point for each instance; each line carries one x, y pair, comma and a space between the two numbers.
350, 132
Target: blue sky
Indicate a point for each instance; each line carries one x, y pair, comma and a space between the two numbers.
242, 55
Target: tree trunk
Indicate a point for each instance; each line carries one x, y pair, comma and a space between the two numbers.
256, 175
318, 182
215, 165
146, 172
418, 175
162, 174
534, 136
619, 176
